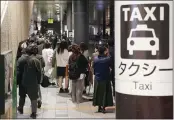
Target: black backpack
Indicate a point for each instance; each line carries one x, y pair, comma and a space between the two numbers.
74, 72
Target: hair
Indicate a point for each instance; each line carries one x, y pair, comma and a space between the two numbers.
75, 52
47, 44
106, 45
40, 41
101, 49
83, 47
96, 46
70, 48
63, 45
32, 49
111, 42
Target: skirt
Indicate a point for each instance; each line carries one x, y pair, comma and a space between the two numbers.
102, 93
61, 71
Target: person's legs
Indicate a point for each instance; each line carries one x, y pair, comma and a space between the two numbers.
60, 80
33, 95
73, 94
85, 82
70, 88
21, 104
22, 96
33, 106
99, 109
66, 80
79, 90
39, 100
66, 84
113, 83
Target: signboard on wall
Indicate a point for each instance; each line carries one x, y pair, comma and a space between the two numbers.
6, 76
50, 21
144, 48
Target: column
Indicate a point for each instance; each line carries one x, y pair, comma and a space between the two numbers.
144, 59
112, 19
104, 21
99, 16
69, 16
81, 22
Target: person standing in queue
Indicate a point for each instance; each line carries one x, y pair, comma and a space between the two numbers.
77, 69
84, 51
102, 86
47, 54
62, 56
69, 81
28, 77
40, 58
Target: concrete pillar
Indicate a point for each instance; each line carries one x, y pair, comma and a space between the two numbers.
69, 16
99, 16
81, 22
104, 22
112, 19
144, 66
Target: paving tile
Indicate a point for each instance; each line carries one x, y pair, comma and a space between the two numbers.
61, 111
49, 114
61, 114
60, 106
86, 115
73, 112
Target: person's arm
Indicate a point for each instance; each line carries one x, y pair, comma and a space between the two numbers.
39, 70
19, 70
43, 62
54, 58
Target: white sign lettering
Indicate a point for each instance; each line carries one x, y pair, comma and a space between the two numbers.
136, 14
144, 48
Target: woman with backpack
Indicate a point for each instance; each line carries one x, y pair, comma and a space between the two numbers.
62, 57
77, 68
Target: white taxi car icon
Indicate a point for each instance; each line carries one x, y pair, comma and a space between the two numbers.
142, 38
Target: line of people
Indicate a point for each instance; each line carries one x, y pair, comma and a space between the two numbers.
69, 62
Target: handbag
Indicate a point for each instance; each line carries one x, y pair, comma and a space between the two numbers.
45, 81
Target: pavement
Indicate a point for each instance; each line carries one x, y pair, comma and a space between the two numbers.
60, 106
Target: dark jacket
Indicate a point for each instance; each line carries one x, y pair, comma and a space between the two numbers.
28, 71
40, 58
102, 67
112, 56
40, 48
82, 63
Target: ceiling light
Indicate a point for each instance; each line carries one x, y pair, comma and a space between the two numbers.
57, 5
